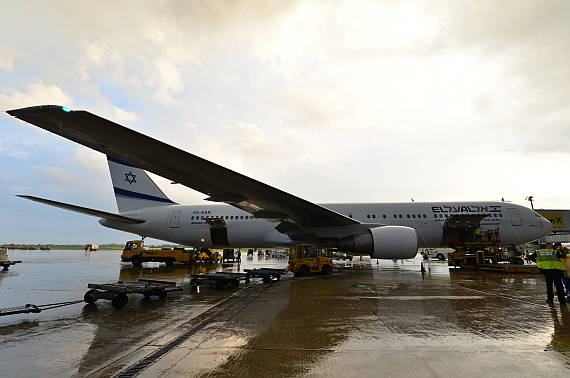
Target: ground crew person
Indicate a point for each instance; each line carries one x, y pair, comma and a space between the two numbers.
478, 234
566, 267
549, 264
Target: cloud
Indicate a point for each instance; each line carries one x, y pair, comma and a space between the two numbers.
122, 115
91, 160
37, 94
7, 56
58, 179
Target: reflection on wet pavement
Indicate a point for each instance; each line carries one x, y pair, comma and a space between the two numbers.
366, 319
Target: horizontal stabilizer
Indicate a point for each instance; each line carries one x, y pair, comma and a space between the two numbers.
85, 210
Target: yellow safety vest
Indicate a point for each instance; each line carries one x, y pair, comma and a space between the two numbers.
546, 259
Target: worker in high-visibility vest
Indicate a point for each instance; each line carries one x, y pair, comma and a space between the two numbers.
566, 267
549, 264
478, 234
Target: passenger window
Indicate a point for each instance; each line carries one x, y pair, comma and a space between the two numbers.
368, 216
413, 215
425, 216
241, 217
384, 216
395, 216
501, 215
408, 215
400, 215
232, 217
435, 215
374, 216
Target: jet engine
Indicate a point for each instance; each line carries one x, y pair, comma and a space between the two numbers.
387, 242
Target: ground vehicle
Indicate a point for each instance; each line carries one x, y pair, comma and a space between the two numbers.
441, 255
136, 253
91, 247
208, 256
305, 259
341, 256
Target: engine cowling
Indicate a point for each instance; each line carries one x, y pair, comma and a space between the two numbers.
387, 242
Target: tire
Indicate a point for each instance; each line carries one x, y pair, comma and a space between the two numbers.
162, 294
89, 298
519, 261
169, 262
440, 256
137, 260
304, 271
120, 300
326, 270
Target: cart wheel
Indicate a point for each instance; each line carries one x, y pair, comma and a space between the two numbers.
136, 260
169, 262
278, 277
266, 279
219, 285
304, 271
89, 298
162, 294
120, 300
235, 283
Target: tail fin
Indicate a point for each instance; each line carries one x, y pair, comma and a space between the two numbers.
134, 189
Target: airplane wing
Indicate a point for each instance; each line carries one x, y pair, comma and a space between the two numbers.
84, 210
218, 183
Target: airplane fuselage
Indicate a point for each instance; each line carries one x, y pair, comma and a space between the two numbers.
187, 224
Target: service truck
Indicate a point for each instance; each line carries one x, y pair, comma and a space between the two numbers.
305, 259
136, 253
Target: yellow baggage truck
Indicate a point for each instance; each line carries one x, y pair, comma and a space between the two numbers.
305, 259
136, 253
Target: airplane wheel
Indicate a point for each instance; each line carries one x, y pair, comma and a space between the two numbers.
304, 271
120, 301
136, 260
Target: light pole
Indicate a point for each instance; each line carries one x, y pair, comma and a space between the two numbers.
530, 198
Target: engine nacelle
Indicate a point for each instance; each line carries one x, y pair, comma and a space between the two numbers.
387, 242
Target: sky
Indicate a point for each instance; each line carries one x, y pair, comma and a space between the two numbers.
332, 101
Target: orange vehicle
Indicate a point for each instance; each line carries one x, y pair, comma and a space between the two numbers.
137, 254
305, 259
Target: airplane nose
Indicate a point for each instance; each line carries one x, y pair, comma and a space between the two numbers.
547, 226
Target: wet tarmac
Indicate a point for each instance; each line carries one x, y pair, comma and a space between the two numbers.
363, 320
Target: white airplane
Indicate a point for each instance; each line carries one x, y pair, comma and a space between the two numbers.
242, 212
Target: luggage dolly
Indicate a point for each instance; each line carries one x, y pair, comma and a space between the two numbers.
117, 293
6, 263
218, 279
266, 273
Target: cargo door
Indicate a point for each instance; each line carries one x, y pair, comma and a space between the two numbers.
218, 232
515, 216
175, 219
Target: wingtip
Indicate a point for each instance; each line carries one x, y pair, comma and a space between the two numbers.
36, 109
